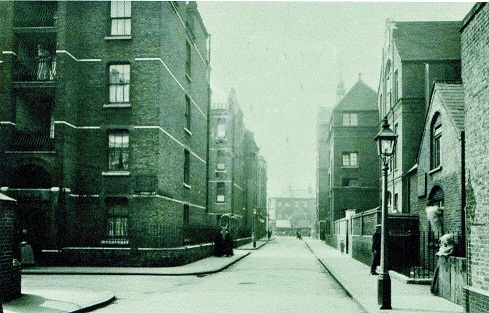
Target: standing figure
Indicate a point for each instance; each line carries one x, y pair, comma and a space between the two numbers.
376, 237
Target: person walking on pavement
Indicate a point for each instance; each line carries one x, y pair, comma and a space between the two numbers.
376, 250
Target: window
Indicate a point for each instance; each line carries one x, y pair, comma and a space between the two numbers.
120, 13
221, 129
349, 182
118, 150
188, 63
188, 113
117, 219
350, 159
186, 214
220, 192
221, 161
119, 83
350, 119
395, 92
394, 158
436, 132
186, 168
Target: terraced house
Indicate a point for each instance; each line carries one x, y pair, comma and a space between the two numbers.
103, 116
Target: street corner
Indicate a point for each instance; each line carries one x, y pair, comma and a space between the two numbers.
59, 300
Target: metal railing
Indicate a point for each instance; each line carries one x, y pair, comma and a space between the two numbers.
31, 142
35, 69
429, 246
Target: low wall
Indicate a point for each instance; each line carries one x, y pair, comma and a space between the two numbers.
130, 257
452, 278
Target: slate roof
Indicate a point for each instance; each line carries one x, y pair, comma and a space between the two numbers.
360, 98
417, 41
452, 97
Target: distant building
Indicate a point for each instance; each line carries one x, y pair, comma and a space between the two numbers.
323, 210
475, 36
299, 212
104, 118
237, 172
415, 54
352, 169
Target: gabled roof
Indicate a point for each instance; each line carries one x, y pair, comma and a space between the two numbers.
452, 98
417, 41
360, 98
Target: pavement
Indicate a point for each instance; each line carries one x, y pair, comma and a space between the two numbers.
355, 278
352, 275
83, 300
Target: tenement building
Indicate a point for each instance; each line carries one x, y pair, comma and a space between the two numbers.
104, 113
353, 166
475, 35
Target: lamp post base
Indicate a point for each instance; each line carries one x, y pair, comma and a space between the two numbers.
384, 291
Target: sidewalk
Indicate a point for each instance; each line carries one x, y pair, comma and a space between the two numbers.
82, 300
355, 279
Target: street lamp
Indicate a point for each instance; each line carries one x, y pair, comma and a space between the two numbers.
386, 145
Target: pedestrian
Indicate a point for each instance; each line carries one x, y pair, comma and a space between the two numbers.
26, 253
228, 243
376, 250
219, 243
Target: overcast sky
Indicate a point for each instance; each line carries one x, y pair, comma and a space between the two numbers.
284, 60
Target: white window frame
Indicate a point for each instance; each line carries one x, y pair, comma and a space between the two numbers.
120, 14
119, 83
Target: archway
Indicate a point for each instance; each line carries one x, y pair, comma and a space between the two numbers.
31, 176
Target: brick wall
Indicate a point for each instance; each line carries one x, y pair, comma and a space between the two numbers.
475, 36
9, 271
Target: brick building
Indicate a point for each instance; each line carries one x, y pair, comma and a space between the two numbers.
353, 165
104, 113
237, 171
415, 54
475, 35
322, 179
437, 178
297, 211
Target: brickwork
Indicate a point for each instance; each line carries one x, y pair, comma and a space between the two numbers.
154, 117
475, 35
9, 268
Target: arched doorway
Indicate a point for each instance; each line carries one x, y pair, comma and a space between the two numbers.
31, 185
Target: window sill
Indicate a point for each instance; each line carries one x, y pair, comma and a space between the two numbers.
116, 173
117, 105
349, 166
220, 171
115, 37
187, 186
189, 79
187, 131
436, 169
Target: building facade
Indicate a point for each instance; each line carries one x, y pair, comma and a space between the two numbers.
415, 54
322, 179
475, 35
298, 213
237, 171
353, 165
104, 117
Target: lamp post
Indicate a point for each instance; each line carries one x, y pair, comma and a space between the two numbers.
386, 145
253, 226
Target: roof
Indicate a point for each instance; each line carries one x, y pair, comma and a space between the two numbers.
417, 41
452, 97
282, 224
360, 98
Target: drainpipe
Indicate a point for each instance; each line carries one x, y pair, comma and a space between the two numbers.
462, 185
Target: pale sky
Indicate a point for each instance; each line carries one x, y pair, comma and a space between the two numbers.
284, 60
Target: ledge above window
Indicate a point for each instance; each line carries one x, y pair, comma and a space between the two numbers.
126, 37
188, 78
116, 173
187, 186
436, 169
187, 131
117, 105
